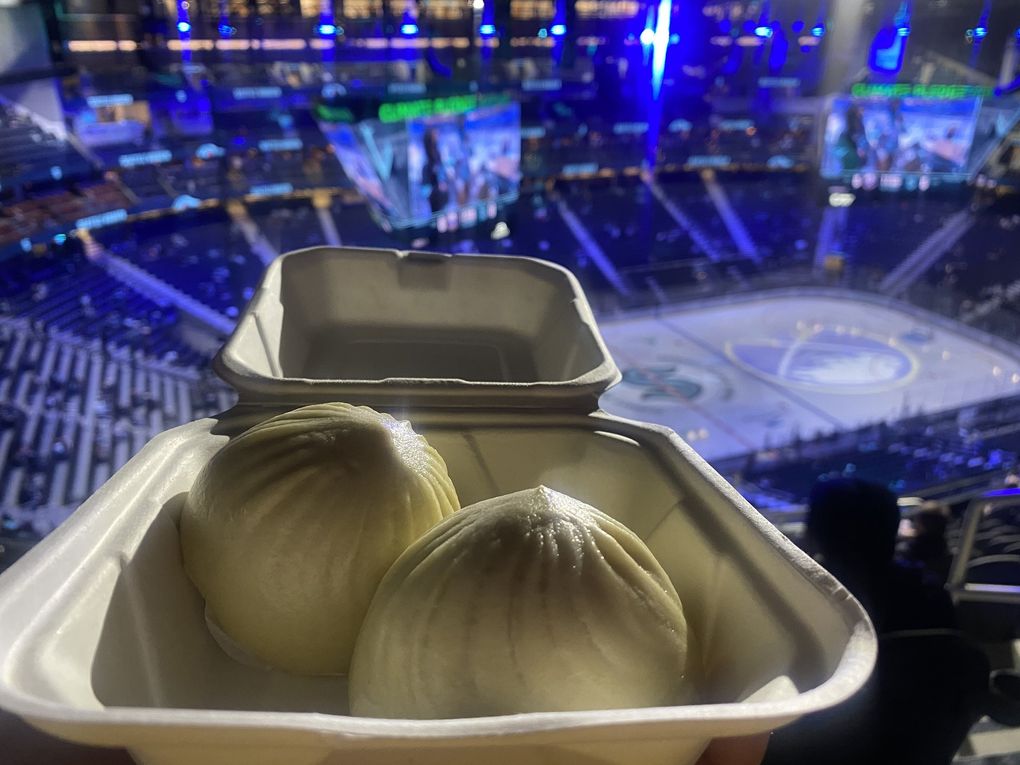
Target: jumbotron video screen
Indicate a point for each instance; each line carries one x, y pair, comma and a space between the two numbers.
908, 136
444, 170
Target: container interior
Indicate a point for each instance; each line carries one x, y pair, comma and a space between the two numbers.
127, 627
375, 315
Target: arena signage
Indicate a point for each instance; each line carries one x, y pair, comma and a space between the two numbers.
271, 189
103, 219
144, 158
581, 168
334, 114
543, 84
709, 160
280, 144
903, 89
630, 128
253, 93
113, 99
736, 125
408, 110
778, 82
406, 88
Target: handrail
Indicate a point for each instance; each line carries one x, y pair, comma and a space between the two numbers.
958, 586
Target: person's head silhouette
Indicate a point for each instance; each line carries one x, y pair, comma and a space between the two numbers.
852, 525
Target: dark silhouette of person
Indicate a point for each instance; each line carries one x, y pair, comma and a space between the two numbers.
930, 684
433, 174
927, 545
851, 529
849, 146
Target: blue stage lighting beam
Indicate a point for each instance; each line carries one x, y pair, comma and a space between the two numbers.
659, 45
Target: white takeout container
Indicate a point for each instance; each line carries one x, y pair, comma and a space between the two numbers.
390, 328
103, 638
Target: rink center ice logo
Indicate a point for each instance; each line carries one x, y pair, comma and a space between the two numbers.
663, 382
827, 359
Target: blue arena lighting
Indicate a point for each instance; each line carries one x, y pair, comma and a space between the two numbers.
558, 30
489, 29
60, 238
647, 36
763, 31
408, 29
227, 31
659, 45
183, 27
980, 32
327, 30
818, 30
903, 31
543, 33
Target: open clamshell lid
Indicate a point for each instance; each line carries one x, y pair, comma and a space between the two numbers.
417, 329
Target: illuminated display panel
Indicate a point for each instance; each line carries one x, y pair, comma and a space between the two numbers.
884, 140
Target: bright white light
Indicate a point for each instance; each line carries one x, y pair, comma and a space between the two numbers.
660, 43
500, 231
478, 5
841, 199
647, 36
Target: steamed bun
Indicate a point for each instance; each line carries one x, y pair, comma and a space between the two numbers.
289, 528
529, 602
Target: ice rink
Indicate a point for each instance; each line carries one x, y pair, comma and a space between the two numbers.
734, 376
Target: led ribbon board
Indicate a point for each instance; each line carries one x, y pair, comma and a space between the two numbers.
399, 111
912, 90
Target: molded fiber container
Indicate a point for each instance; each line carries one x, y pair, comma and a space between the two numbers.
391, 328
103, 638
